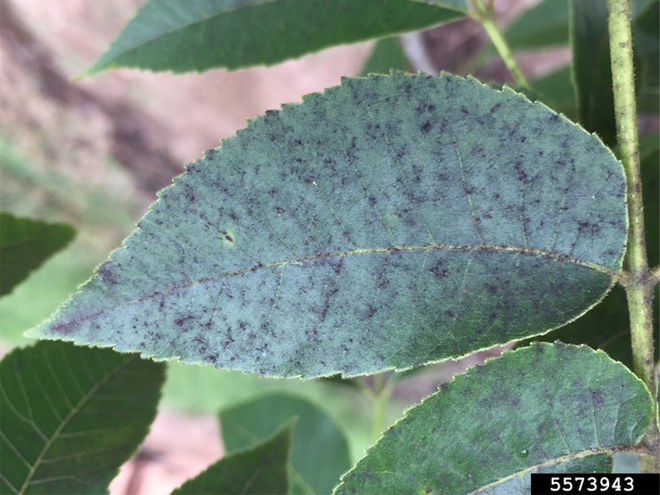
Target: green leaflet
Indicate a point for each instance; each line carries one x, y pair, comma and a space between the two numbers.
206, 34
261, 470
546, 24
541, 26
319, 452
649, 150
646, 38
607, 326
24, 246
458, 5
557, 91
71, 416
386, 55
548, 407
388, 222
592, 72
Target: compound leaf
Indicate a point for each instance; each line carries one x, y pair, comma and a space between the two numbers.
388, 222
206, 34
25, 244
544, 408
71, 416
319, 451
260, 470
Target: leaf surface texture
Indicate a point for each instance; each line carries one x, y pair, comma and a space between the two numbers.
71, 416
388, 222
545, 408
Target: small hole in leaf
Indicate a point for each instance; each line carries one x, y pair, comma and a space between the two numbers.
227, 236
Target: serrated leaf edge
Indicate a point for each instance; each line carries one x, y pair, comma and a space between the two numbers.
34, 332
574, 455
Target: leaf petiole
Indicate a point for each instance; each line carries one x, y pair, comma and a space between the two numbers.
485, 15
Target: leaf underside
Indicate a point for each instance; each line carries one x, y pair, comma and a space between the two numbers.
607, 326
545, 408
201, 35
71, 416
385, 223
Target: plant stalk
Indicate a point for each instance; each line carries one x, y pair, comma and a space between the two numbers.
485, 14
639, 289
381, 393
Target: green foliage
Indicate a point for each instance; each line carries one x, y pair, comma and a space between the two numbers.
548, 25
607, 326
532, 234
592, 73
319, 452
386, 55
260, 470
650, 158
383, 224
545, 408
71, 416
165, 35
25, 244
542, 26
646, 33
556, 90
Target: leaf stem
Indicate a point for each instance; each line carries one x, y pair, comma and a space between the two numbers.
640, 289
655, 275
485, 15
381, 393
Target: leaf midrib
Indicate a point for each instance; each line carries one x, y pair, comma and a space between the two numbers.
384, 250
74, 410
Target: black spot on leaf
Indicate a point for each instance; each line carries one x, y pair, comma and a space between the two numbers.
438, 270
107, 273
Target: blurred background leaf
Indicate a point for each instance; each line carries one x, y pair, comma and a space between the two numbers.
319, 450
258, 470
592, 73
25, 244
387, 54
